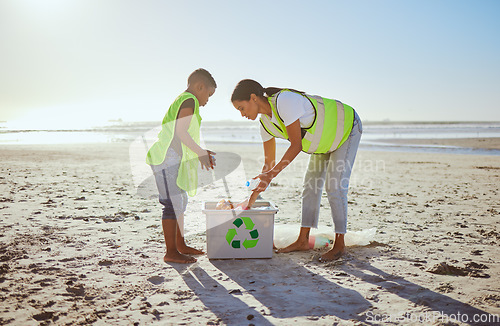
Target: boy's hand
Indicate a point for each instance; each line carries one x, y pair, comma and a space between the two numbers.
212, 157
207, 159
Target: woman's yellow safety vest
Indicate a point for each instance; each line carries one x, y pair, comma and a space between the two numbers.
188, 169
330, 129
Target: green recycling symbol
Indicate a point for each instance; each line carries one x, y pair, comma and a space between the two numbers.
249, 225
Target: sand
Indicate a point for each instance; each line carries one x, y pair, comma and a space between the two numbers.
79, 247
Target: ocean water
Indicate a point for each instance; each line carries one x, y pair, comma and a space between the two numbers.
376, 136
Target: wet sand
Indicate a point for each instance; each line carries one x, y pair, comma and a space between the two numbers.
79, 247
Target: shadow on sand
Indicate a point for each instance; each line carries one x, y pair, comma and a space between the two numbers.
236, 290
261, 287
450, 309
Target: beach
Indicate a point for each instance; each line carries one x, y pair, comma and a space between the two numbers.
79, 246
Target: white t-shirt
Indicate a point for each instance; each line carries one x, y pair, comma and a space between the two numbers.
291, 106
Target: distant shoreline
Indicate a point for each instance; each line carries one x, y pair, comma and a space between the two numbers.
482, 143
475, 138
124, 123
427, 122
372, 122
128, 126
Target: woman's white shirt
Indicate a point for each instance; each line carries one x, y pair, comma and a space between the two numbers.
291, 106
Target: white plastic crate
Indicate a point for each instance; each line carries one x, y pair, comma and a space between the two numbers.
239, 233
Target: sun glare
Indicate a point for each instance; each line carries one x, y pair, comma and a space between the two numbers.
45, 7
67, 117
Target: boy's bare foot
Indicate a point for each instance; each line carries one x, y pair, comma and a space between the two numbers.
178, 258
298, 245
332, 254
184, 249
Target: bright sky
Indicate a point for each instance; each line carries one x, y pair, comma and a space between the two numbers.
86, 61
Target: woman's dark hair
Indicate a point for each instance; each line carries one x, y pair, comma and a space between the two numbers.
247, 87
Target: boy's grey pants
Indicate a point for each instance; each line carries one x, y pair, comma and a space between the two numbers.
173, 199
334, 169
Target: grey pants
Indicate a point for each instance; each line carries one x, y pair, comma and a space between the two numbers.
334, 170
173, 199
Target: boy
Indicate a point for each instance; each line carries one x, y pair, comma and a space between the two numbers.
174, 159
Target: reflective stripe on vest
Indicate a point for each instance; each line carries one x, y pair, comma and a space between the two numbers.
320, 137
320, 115
340, 126
270, 127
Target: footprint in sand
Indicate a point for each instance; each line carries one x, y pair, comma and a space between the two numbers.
105, 262
471, 269
44, 316
77, 290
156, 280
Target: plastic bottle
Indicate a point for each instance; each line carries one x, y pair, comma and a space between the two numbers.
318, 241
252, 183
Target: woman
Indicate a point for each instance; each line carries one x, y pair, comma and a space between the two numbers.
327, 129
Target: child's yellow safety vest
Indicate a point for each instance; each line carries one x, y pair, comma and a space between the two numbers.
188, 169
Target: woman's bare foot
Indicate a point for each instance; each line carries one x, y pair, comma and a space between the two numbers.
178, 258
332, 254
184, 249
301, 244
337, 251
298, 245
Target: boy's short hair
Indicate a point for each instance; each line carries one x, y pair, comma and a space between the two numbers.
203, 76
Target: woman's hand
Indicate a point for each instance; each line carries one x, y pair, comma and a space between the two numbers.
248, 203
243, 204
207, 159
265, 180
